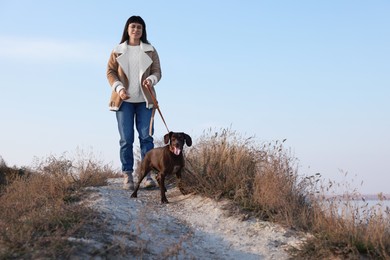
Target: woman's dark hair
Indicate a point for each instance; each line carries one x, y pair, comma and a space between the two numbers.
135, 19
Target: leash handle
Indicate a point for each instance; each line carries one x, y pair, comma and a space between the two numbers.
154, 110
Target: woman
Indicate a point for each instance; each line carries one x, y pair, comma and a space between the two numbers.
133, 67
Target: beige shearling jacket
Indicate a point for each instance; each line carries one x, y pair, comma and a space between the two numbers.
118, 67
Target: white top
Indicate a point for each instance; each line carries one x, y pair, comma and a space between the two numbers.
134, 90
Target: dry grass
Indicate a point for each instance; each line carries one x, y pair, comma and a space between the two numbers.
264, 180
38, 210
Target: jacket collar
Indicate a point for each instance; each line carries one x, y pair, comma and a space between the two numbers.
122, 48
144, 60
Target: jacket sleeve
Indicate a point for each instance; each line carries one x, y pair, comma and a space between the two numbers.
155, 69
112, 72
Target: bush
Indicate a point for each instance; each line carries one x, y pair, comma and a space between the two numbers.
38, 213
264, 180
8, 174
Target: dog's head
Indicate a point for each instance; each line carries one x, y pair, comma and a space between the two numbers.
176, 141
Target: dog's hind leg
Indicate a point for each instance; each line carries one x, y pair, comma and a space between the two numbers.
141, 175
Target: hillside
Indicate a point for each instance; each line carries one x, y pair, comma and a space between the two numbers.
189, 227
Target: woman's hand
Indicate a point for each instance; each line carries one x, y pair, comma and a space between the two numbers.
123, 94
147, 83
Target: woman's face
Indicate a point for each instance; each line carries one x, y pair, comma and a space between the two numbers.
135, 31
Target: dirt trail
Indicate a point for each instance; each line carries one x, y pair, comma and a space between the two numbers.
189, 227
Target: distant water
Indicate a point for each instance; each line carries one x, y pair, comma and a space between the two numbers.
362, 209
376, 203
382, 205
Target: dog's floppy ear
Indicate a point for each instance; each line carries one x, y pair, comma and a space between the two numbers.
188, 139
167, 137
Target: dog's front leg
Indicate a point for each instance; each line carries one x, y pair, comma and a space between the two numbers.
161, 183
178, 173
179, 182
158, 178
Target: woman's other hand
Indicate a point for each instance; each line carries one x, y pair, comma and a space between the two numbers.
123, 94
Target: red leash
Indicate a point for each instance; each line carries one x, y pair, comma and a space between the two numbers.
154, 111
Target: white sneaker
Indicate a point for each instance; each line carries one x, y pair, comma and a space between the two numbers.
128, 182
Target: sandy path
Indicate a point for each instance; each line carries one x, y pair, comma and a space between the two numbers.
189, 227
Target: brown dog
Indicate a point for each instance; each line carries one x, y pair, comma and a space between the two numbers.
165, 160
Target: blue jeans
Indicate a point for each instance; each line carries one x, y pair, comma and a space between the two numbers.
127, 115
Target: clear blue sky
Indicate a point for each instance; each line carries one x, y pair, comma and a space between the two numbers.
316, 73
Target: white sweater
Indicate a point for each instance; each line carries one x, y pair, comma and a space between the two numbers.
134, 90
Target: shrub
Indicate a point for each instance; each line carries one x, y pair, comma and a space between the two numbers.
38, 213
264, 180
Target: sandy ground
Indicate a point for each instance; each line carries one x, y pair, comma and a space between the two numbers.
189, 227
